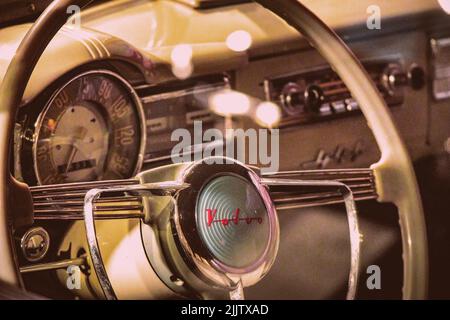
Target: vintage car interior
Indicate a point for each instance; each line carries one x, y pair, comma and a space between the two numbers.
225, 149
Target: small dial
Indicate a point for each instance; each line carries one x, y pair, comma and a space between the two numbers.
89, 130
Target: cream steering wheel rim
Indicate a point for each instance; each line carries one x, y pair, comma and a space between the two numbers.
394, 174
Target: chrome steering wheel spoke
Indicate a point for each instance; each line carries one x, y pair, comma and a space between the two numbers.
352, 219
147, 190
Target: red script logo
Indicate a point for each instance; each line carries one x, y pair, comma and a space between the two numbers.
211, 214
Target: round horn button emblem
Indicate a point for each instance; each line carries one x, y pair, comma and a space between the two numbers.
233, 222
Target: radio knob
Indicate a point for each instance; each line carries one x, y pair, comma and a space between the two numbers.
394, 77
416, 77
313, 97
292, 99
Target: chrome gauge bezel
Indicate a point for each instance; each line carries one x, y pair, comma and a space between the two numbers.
35, 231
132, 95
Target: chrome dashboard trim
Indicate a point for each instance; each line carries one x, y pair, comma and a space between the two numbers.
193, 151
184, 92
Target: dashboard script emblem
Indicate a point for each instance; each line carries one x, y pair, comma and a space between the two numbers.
235, 219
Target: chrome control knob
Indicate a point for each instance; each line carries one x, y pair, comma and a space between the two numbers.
297, 99
314, 98
292, 99
416, 77
394, 77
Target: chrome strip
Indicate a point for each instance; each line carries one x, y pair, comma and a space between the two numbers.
62, 264
68, 33
192, 150
183, 92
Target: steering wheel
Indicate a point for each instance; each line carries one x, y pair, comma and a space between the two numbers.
394, 176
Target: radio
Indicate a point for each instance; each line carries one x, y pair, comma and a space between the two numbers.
319, 94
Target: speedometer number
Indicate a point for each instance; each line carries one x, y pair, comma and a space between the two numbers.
125, 136
120, 109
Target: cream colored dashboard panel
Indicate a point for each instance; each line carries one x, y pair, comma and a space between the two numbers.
125, 259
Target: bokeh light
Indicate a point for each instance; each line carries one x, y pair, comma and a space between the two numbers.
445, 4
229, 102
181, 59
239, 41
268, 114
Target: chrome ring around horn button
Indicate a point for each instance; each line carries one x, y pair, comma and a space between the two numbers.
223, 258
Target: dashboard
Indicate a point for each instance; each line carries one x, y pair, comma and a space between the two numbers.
146, 102
96, 126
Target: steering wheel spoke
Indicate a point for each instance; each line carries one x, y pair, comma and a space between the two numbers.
238, 292
288, 197
337, 189
148, 190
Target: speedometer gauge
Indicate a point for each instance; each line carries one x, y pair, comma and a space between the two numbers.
91, 129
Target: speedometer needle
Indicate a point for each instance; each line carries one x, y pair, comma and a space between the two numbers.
80, 136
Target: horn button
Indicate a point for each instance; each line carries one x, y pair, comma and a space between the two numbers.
232, 221
222, 230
